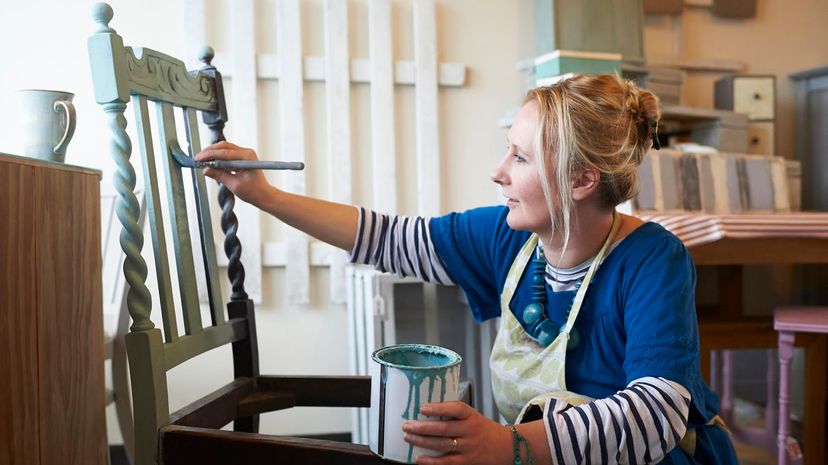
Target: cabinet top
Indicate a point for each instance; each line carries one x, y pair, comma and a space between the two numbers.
19, 160
810, 73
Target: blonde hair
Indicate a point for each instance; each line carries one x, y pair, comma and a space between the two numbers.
585, 122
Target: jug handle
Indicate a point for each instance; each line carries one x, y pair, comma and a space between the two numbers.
69, 109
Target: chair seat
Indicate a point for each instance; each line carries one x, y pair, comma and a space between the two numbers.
801, 319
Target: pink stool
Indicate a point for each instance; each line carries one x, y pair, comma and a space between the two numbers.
787, 322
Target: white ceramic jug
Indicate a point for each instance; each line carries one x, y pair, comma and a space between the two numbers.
48, 118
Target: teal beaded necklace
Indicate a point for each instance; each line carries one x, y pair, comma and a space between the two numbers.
538, 325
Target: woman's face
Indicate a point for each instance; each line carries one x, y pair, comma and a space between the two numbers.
517, 175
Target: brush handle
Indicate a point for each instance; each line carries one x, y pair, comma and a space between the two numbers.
251, 165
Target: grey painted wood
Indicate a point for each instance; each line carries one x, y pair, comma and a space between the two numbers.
119, 74
811, 138
758, 172
149, 391
179, 220
113, 95
211, 337
153, 200
691, 195
205, 223
144, 340
591, 26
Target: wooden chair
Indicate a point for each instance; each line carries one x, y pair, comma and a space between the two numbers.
192, 434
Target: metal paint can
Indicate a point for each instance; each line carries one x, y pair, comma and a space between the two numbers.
405, 377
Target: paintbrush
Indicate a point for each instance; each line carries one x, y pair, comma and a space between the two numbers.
232, 165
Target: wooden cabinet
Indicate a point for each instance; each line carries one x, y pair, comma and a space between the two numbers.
51, 329
812, 136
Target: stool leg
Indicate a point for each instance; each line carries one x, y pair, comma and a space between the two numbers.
715, 373
727, 384
772, 396
786, 346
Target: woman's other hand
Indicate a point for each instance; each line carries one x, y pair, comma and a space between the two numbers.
479, 440
248, 185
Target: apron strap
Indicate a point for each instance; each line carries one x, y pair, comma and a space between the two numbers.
579, 296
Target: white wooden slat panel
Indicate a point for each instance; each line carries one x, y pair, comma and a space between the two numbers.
338, 111
292, 134
450, 74
195, 31
383, 147
427, 125
244, 125
353, 356
195, 38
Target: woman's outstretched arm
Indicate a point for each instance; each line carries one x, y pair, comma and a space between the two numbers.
330, 222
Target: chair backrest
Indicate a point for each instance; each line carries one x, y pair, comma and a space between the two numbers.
122, 75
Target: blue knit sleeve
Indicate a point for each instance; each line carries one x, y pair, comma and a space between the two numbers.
660, 319
476, 247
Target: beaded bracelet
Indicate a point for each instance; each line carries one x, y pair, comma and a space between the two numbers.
517, 439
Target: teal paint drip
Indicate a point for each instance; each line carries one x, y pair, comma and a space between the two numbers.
415, 380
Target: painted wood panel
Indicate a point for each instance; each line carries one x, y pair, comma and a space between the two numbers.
179, 223
292, 134
205, 224
154, 211
338, 117
383, 146
267, 67
244, 123
427, 131
292, 68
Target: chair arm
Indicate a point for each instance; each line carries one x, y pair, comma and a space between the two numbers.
320, 391
188, 445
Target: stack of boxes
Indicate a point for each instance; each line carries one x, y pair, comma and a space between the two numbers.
755, 96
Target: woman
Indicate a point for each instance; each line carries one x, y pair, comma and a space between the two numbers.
596, 359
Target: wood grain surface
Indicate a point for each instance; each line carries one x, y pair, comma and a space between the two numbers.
51, 328
70, 318
19, 409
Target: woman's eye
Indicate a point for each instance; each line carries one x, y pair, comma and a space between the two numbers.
519, 158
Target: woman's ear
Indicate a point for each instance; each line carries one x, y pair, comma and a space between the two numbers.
585, 183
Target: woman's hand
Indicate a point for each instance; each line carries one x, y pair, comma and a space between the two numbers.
480, 441
248, 185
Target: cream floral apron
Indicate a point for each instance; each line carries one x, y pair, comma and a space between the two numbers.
524, 373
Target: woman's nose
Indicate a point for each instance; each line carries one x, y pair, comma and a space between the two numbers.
498, 176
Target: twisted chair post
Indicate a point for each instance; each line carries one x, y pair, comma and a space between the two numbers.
245, 354
113, 94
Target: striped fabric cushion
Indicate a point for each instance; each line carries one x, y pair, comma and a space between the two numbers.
697, 229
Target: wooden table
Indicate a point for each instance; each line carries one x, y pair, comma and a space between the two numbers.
51, 328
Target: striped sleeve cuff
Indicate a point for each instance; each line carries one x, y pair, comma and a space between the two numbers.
398, 244
638, 425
